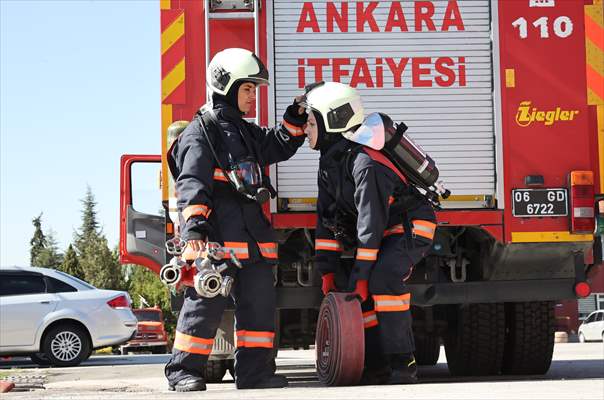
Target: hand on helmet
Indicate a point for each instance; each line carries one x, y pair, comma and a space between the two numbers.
295, 114
328, 283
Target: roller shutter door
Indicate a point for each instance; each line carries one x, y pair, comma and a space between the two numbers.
425, 63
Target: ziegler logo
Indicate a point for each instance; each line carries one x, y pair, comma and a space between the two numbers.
526, 115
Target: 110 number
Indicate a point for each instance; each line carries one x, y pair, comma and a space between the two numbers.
563, 27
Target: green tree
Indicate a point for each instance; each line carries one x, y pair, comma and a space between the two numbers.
146, 284
100, 266
50, 255
37, 242
71, 264
89, 231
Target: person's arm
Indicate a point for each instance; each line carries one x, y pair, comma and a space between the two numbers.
194, 183
327, 249
281, 142
374, 186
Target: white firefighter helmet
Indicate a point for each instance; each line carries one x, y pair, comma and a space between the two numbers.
340, 105
231, 65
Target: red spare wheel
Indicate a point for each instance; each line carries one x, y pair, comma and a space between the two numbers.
340, 340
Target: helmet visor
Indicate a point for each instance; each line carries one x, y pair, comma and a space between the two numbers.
371, 133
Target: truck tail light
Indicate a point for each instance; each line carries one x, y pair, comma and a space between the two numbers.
582, 202
582, 289
119, 302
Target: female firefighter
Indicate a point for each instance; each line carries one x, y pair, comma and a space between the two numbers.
367, 205
217, 164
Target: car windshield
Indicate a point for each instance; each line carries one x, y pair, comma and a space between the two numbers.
73, 278
147, 315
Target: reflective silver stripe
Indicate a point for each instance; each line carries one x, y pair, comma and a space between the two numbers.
424, 228
255, 339
367, 253
268, 249
184, 343
370, 318
294, 130
326, 243
236, 250
390, 303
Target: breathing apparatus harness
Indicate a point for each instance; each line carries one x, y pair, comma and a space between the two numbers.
245, 176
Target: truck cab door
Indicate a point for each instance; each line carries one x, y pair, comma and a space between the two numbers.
142, 223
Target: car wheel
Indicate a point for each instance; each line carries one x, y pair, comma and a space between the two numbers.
66, 345
40, 359
581, 337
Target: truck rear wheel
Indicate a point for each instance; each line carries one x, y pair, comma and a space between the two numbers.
529, 341
475, 341
427, 349
215, 370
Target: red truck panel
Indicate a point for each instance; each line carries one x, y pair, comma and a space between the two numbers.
542, 74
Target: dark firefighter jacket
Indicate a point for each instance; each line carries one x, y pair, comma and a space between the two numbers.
209, 206
366, 201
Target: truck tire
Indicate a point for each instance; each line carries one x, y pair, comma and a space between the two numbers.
215, 370
427, 349
475, 340
529, 341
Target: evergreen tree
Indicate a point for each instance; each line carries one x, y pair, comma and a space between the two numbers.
71, 265
89, 232
37, 242
49, 256
101, 266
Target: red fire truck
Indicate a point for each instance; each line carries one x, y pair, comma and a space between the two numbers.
501, 93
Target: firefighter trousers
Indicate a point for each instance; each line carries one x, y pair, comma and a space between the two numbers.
387, 311
255, 300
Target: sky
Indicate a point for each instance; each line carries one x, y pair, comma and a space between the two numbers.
79, 87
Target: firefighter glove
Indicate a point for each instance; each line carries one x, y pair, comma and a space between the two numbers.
293, 115
361, 289
328, 283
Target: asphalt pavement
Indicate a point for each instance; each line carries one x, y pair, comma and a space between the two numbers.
577, 372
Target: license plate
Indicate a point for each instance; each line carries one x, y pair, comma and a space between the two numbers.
539, 202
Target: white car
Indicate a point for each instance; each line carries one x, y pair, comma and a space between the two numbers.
593, 327
58, 319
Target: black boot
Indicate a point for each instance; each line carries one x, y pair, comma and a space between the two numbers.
404, 369
269, 382
376, 375
190, 384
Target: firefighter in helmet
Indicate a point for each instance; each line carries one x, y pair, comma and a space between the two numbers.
365, 206
218, 167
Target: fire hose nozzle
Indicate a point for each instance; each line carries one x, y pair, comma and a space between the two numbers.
208, 283
170, 274
227, 285
175, 246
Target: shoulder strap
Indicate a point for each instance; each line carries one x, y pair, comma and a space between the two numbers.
382, 159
